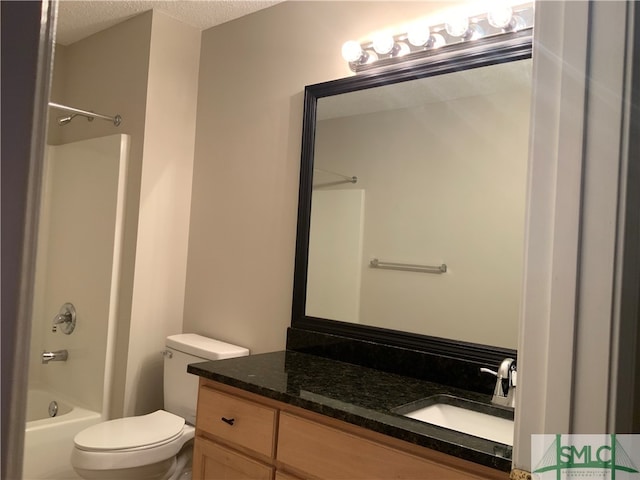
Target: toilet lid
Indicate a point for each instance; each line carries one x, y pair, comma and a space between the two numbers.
130, 432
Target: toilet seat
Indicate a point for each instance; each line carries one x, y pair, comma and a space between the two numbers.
131, 432
131, 442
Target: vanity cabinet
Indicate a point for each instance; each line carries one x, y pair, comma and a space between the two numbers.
237, 421
212, 460
240, 435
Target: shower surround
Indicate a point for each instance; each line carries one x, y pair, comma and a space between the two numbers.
78, 261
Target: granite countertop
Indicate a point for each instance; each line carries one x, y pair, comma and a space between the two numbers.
358, 395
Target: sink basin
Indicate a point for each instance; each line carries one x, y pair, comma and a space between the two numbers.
464, 416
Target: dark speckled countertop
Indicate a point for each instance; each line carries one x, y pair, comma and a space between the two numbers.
358, 395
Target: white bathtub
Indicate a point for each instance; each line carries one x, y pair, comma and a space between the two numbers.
49, 440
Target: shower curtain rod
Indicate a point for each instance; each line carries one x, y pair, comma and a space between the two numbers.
116, 120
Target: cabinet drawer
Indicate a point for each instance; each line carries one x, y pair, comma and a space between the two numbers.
213, 462
248, 424
326, 452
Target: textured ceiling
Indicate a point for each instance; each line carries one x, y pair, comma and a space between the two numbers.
79, 19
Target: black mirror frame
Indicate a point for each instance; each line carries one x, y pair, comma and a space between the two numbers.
500, 49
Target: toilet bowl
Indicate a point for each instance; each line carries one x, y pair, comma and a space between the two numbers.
131, 448
156, 446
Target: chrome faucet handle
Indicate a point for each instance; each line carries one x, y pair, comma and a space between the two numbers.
508, 370
506, 376
66, 318
61, 318
506, 367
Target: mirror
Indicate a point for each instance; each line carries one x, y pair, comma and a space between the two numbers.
412, 201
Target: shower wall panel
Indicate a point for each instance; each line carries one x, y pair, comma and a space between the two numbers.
78, 262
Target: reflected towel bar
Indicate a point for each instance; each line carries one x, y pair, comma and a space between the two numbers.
346, 177
375, 263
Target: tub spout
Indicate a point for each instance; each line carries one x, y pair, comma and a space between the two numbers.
57, 356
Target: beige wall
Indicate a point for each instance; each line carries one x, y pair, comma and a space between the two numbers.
165, 196
243, 215
144, 69
334, 269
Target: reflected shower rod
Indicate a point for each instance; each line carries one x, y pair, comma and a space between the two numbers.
117, 120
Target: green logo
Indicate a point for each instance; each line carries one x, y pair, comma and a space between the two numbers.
586, 459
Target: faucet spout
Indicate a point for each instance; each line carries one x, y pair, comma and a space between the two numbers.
504, 391
57, 356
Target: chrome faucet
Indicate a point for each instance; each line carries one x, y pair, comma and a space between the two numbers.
504, 393
57, 356
58, 319
66, 318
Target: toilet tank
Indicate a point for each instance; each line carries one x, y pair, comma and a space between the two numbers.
180, 387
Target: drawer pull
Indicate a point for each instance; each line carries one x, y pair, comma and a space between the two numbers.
228, 420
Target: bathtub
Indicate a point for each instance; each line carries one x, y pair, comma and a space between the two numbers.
49, 440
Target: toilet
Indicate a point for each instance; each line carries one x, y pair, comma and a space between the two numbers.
156, 446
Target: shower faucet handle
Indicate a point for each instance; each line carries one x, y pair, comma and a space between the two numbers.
66, 318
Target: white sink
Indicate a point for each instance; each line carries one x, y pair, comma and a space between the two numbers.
466, 421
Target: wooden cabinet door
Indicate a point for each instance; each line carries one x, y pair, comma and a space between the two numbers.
215, 462
325, 452
285, 476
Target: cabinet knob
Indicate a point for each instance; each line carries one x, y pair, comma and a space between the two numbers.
228, 420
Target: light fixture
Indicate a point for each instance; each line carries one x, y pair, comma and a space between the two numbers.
352, 51
383, 43
403, 49
437, 41
418, 34
517, 23
500, 16
475, 32
424, 35
371, 57
457, 26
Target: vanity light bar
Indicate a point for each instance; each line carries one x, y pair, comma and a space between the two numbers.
424, 36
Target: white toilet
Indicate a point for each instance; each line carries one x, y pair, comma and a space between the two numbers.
156, 446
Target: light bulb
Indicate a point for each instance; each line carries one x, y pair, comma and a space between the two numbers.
500, 16
418, 34
517, 23
351, 51
371, 57
457, 27
383, 43
476, 31
436, 41
403, 49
